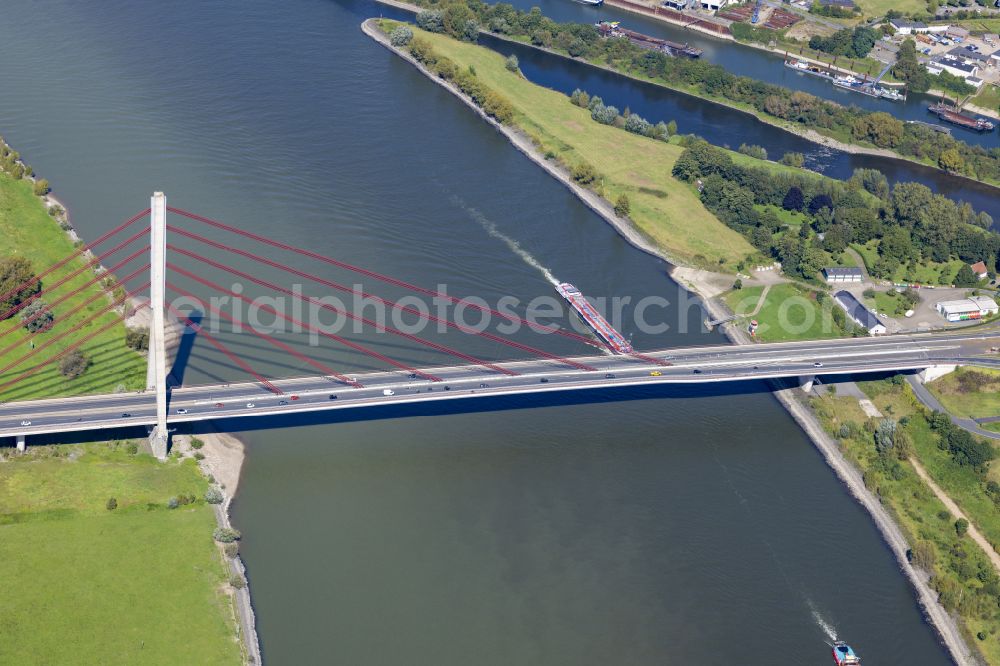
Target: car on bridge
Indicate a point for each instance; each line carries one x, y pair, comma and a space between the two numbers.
26, 422
655, 373
182, 411
388, 392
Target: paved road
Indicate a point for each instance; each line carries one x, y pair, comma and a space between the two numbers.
929, 401
676, 366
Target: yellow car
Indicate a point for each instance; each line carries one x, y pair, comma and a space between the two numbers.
655, 373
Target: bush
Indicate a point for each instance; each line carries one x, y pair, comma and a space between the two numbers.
793, 159
37, 317
758, 152
137, 339
225, 534
41, 187
237, 581
173, 503
132, 448
622, 206
401, 36
231, 550
512, 64
213, 495
584, 173
73, 365
112, 504
961, 527
15, 274
196, 443
738, 284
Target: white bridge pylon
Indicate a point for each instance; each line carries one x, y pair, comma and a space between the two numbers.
156, 370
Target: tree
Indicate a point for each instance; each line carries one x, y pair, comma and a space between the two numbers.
41, 187
622, 206
37, 317
512, 64
966, 450
793, 199
738, 284
961, 527
965, 277
73, 364
819, 202
15, 275
672, 127
793, 159
430, 20
951, 160
112, 504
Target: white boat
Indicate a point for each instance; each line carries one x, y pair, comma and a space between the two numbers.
592, 3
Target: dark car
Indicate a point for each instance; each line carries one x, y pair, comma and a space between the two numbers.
282, 402
333, 397
544, 380
610, 375
483, 385
697, 371
126, 415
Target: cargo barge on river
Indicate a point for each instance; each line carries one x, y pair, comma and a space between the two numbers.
952, 115
614, 29
848, 81
615, 340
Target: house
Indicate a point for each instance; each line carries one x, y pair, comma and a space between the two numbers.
991, 38
679, 5
964, 54
995, 59
975, 82
907, 27
713, 5
859, 314
979, 270
837, 274
957, 32
974, 307
959, 68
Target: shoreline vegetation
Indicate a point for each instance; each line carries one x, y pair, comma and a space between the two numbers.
849, 129
701, 283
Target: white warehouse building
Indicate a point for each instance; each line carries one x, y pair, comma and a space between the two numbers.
974, 307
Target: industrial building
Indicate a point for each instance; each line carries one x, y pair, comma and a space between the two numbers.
974, 307
838, 274
861, 315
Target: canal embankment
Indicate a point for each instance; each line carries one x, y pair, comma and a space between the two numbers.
830, 138
703, 284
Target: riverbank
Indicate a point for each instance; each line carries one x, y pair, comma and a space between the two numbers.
797, 129
703, 283
222, 457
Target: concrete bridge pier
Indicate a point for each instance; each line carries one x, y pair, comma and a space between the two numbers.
935, 371
806, 382
22, 443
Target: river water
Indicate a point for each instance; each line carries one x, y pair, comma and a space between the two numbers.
697, 528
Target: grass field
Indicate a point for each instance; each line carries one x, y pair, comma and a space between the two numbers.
880, 7
27, 229
788, 313
988, 97
82, 584
975, 403
956, 561
665, 209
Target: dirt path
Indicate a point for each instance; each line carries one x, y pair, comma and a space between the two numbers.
949, 504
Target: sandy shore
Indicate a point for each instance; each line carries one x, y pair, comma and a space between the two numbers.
707, 285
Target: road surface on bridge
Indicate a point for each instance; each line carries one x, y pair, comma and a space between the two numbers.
719, 363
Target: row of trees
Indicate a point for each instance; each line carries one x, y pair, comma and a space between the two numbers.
912, 223
493, 103
709, 80
628, 121
856, 43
